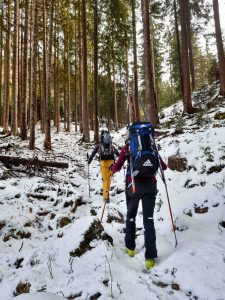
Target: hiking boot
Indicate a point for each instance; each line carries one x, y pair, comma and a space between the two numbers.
149, 263
130, 252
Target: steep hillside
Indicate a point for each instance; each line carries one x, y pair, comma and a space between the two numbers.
51, 239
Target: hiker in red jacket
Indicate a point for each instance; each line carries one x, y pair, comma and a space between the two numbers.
145, 189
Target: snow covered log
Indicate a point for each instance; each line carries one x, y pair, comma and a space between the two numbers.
9, 160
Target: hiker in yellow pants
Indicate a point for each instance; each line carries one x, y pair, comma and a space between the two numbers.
106, 154
106, 177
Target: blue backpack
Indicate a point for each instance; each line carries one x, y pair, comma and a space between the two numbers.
142, 150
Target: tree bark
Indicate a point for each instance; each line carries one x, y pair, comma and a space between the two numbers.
136, 104
56, 85
41, 109
1, 56
220, 49
190, 50
178, 48
115, 97
15, 86
7, 60
96, 123
150, 92
33, 77
24, 90
185, 58
47, 141
114, 73
21, 52
75, 66
80, 65
68, 103
84, 74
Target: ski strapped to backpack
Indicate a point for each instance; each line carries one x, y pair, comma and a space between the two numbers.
142, 149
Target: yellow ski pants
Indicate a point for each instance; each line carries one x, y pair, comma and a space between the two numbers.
106, 177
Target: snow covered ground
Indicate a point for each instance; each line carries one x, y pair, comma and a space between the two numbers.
43, 220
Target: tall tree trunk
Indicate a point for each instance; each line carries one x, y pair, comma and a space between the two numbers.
7, 58
56, 83
96, 110
152, 41
15, 86
47, 141
115, 97
136, 104
110, 93
80, 65
33, 77
49, 57
84, 74
1, 58
114, 71
64, 87
20, 83
91, 102
190, 50
178, 48
68, 91
171, 77
75, 68
75, 94
150, 92
24, 94
185, 58
41, 114
128, 105
43, 81
68, 103
219, 44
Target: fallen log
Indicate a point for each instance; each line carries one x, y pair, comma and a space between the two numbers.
16, 161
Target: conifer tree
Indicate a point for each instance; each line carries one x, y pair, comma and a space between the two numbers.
84, 73
185, 58
15, 79
150, 92
220, 49
7, 77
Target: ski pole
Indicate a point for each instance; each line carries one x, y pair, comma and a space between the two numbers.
168, 199
89, 186
167, 194
103, 210
162, 176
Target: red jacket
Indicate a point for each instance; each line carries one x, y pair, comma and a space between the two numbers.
121, 160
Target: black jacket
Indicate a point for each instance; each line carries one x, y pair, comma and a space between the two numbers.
99, 149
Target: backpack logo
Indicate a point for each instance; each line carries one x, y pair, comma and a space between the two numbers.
148, 163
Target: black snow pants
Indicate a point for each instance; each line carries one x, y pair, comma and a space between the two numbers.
146, 191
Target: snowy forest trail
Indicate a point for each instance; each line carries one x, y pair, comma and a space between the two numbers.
45, 219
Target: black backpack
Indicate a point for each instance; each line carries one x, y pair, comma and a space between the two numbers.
142, 150
106, 148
